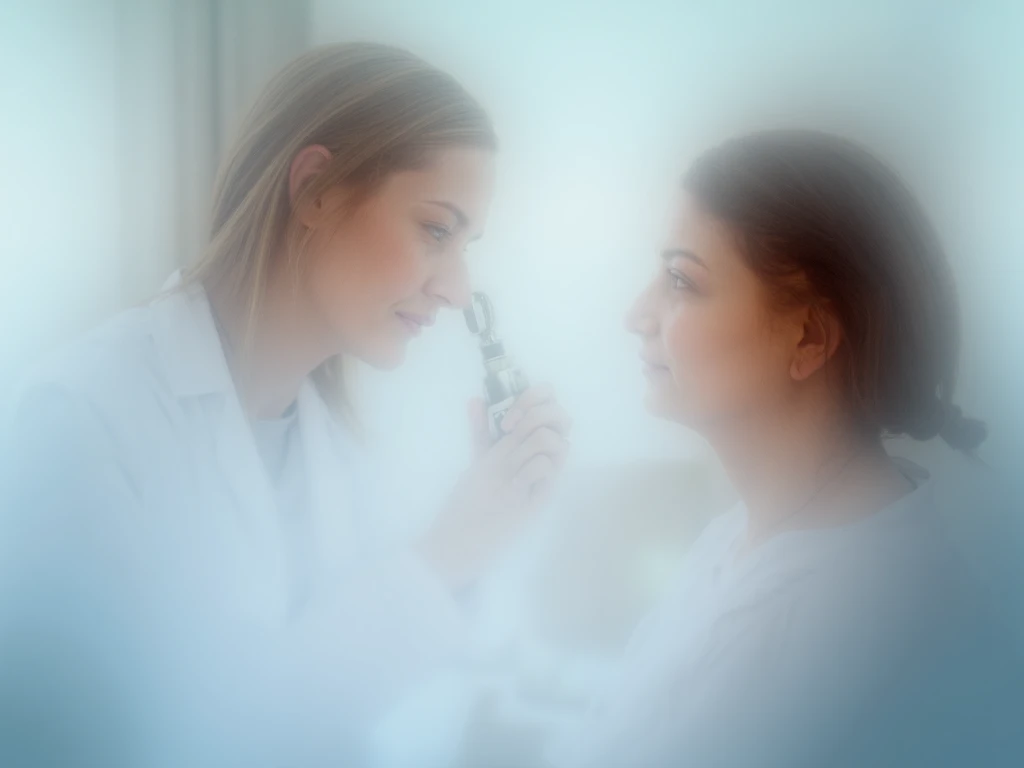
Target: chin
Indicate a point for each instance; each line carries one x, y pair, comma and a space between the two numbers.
659, 403
381, 354
666, 402
387, 361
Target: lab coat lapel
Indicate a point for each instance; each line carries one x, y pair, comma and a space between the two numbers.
190, 350
257, 513
332, 490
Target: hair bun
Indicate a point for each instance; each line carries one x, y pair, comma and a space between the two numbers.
962, 433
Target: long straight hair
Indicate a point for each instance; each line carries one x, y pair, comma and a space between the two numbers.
377, 109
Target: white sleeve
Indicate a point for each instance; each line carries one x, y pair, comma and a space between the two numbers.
390, 622
72, 637
323, 686
76, 592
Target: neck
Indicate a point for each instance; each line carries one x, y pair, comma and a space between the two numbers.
800, 468
270, 365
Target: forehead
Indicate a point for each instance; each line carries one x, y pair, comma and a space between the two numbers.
691, 228
462, 176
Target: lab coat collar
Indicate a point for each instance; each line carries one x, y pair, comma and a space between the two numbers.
187, 341
193, 364
331, 461
189, 346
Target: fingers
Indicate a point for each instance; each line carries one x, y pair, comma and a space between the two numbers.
535, 471
535, 445
548, 414
542, 442
536, 408
530, 398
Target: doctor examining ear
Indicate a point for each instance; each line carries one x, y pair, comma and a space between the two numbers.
188, 479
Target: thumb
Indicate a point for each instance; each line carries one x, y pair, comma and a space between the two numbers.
480, 430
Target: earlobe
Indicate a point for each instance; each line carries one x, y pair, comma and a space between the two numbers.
820, 341
804, 365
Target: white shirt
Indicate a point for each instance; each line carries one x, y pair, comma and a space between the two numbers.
142, 521
279, 443
818, 648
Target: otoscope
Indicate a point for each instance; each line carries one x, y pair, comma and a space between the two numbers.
503, 380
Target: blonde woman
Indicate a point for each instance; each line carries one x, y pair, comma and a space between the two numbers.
187, 490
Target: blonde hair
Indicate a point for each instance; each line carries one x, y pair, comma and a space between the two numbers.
377, 109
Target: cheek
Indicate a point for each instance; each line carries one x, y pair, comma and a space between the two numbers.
720, 354
363, 271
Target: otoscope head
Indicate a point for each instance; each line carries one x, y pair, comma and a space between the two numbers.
480, 318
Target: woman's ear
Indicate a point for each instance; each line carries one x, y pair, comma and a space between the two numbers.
307, 164
820, 340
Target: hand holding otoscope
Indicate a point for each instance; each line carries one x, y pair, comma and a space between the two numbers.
521, 440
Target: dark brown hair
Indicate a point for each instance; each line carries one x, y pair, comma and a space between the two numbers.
822, 220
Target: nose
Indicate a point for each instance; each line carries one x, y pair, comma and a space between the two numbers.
451, 285
641, 319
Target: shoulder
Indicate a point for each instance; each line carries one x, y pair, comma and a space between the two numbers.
897, 571
105, 363
709, 549
845, 602
716, 539
879, 609
722, 529
105, 385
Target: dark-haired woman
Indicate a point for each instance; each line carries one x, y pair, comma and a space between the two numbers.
801, 311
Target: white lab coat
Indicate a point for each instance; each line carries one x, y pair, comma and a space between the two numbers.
137, 490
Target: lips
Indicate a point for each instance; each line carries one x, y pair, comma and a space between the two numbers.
650, 366
415, 323
649, 361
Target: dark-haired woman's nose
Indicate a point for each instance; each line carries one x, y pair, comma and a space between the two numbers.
641, 318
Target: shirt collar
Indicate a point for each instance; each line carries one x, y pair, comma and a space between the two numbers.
187, 342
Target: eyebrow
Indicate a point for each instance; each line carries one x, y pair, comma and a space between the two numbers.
680, 253
460, 217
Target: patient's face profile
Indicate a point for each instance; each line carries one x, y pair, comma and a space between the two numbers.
383, 270
711, 351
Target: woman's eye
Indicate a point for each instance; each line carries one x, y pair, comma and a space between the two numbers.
681, 282
437, 232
